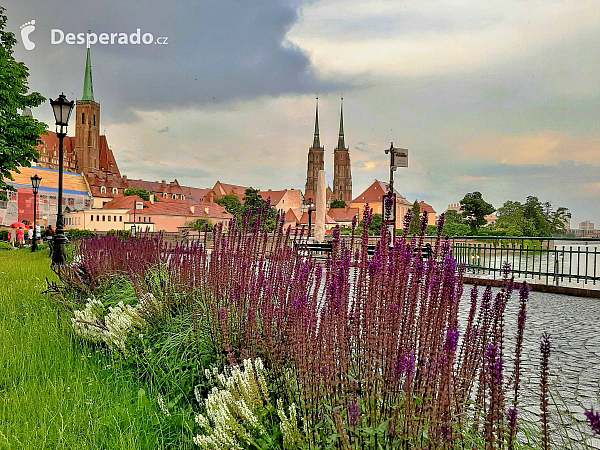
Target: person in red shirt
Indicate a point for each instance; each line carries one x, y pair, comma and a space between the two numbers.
20, 235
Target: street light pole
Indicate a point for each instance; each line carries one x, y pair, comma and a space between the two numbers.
35, 183
62, 111
311, 208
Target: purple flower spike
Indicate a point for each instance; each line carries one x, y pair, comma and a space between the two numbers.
451, 339
511, 417
545, 346
594, 418
353, 413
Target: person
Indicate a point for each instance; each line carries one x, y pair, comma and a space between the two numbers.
30, 234
20, 234
49, 237
13, 236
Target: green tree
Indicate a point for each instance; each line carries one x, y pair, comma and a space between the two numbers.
337, 203
200, 224
19, 133
474, 209
142, 193
453, 216
231, 204
415, 225
532, 218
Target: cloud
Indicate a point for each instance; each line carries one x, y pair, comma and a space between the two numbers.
543, 147
217, 52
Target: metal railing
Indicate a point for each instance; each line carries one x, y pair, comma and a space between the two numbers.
555, 260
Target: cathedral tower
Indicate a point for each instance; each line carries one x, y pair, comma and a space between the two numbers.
87, 125
342, 175
315, 161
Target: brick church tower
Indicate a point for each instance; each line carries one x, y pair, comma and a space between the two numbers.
87, 125
315, 161
342, 175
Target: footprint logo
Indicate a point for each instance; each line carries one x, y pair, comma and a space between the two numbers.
26, 30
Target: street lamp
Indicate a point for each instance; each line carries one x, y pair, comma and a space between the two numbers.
35, 184
62, 111
311, 208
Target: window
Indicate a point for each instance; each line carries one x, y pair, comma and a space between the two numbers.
120, 218
94, 119
173, 196
109, 218
71, 201
83, 118
114, 218
164, 195
87, 203
102, 189
144, 219
63, 201
97, 218
182, 197
115, 191
103, 218
149, 219
92, 218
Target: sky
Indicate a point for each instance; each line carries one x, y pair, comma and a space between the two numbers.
500, 97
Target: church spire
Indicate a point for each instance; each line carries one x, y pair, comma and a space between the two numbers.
341, 143
88, 88
317, 141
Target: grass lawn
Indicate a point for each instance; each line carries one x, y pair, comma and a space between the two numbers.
55, 391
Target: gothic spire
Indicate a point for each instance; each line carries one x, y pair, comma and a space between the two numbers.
341, 143
316, 141
88, 88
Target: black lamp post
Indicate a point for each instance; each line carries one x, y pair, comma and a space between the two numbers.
62, 111
35, 184
311, 208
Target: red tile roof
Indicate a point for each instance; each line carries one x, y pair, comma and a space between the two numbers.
304, 219
342, 214
210, 209
374, 192
275, 196
426, 207
169, 207
290, 216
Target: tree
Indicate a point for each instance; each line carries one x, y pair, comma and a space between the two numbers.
19, 133
453, 216
415, 221
531, 218
231, 204
337, 203
200, 224
474, 209
142, 193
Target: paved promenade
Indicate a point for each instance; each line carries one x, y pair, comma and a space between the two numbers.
574, 326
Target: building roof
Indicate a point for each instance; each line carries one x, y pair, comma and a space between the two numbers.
342, 214
210, 209
275, 196
168, 207
222, 189
72, 182
290, 216
426, 207
50, 143
88, 88
108, 162
374, 193
304, 219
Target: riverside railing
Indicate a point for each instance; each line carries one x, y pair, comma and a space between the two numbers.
545, 260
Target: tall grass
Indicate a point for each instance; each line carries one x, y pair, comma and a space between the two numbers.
57, 392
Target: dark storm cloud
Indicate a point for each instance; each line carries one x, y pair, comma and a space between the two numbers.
217, 51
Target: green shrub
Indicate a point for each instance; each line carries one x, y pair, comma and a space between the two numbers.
75, 233
4, 235
5, 245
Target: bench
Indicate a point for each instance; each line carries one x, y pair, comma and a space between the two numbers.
326, 247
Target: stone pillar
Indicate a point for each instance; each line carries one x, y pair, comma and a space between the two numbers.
321, 207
